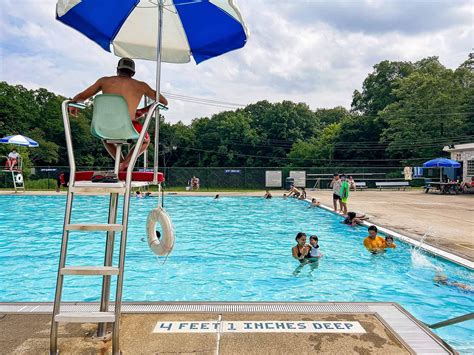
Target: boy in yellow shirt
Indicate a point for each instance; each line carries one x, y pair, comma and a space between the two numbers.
374, 243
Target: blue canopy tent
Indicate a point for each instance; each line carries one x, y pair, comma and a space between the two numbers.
441, 163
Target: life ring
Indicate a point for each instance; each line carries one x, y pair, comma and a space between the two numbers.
19, 179
165, 244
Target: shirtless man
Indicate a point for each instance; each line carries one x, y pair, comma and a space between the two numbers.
132, 90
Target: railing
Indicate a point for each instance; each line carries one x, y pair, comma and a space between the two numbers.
451, 321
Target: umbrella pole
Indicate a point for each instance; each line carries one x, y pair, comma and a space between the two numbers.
440, 174
158, 81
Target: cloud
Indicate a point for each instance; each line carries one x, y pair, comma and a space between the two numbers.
381, 16
307, 51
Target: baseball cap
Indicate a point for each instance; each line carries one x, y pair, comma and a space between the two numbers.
126, 63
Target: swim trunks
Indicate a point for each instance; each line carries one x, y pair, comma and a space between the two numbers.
138, 127
336, 197
344, 200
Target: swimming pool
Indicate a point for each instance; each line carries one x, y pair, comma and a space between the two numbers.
232, 249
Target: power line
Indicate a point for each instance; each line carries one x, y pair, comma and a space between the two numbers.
299, 159
426, 143
226, 104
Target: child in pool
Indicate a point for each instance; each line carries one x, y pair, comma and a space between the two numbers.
389, 242
314, 203
314, 252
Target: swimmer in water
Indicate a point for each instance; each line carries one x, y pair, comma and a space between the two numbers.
352, 219
301, 250
217, 197
138, 194
267, 195
314, 252
314, 203
442, 279
302, 196
389, 242
374, 243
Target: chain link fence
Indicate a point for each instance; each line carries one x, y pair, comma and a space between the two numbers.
45, 177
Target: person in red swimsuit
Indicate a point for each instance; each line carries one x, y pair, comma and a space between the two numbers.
132, 90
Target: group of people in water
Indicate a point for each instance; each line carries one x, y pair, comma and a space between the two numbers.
305, 253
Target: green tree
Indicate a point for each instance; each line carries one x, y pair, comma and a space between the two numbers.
431, 106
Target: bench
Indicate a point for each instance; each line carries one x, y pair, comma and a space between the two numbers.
392, 185
360, 185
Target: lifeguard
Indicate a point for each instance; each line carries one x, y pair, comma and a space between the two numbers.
132, 91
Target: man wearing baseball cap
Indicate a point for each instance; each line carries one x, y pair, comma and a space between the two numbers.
132, 90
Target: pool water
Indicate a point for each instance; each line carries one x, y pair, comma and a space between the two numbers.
231, 249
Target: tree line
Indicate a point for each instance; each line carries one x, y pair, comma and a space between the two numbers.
405, 113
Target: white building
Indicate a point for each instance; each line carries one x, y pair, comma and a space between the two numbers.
463, 153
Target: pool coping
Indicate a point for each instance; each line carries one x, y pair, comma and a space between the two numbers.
404, 326
416, 243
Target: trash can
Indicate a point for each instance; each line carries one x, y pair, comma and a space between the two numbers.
288, 182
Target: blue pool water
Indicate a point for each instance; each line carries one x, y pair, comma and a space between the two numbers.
232, 249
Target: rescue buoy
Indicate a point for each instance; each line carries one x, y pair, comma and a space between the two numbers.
164, 245
19, 179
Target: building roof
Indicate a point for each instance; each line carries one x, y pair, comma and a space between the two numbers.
457, 147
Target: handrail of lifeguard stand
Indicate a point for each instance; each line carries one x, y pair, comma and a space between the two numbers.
67, 130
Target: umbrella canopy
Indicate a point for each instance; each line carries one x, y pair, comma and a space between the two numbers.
201, 28
441, 163
19, 140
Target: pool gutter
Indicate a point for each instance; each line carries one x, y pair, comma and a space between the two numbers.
416, 243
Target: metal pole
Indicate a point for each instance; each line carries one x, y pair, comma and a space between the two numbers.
158, 81
123, 238
67, 219
452, 321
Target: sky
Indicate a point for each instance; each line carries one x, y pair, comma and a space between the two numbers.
311, 51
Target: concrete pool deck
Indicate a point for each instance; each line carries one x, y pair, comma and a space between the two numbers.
383, 328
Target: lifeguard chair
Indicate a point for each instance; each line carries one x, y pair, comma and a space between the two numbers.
111, 123
16, 173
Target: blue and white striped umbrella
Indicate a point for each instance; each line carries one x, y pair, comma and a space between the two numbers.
201, 28
19, 140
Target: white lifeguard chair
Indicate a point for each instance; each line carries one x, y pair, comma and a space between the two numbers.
16, 173
111, 123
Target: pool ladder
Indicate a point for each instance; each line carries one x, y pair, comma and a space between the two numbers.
104, 315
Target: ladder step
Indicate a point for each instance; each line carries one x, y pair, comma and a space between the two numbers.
98, 187
94, 227
97, 190
89, 270
85, 317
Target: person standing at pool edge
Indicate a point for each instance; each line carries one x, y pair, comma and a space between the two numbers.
132, 91
344, 194
374, 243
336, 191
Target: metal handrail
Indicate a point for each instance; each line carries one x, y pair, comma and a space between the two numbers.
123, 239
451, 321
